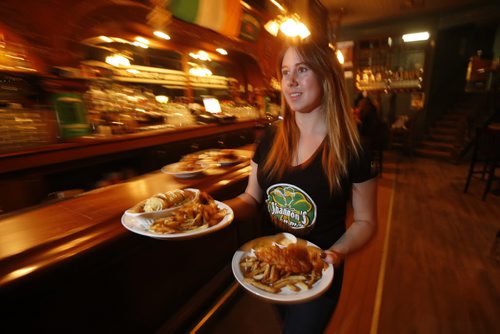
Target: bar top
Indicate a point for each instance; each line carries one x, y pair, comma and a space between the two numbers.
38, 238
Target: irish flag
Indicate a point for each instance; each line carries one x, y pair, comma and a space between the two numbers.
223, 16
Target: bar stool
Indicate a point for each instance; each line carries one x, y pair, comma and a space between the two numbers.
493, 132
486, 153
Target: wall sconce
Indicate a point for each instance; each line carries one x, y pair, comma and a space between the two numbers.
291, 26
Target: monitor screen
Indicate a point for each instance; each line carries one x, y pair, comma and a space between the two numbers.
211, 104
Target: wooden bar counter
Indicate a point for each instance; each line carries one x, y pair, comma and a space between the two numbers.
92, 146
29, 176
72, 267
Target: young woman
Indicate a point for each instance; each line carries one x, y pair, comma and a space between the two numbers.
313, 158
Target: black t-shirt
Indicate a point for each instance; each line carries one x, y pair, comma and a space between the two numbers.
300, 202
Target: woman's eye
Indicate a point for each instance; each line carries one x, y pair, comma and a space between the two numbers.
284, 72
302, 69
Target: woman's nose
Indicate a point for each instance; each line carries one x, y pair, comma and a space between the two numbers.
292, 81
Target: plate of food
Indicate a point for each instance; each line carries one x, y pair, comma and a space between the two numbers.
282, 269
185, 169
161, 203
199, 217
216, 157
228, 157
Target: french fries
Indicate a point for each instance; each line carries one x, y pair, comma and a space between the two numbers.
270, 278
199, 214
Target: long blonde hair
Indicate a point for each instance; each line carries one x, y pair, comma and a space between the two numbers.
342, 139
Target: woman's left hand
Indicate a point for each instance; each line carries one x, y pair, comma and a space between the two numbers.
333, 257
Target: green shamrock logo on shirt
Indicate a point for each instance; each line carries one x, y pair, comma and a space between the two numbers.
290, 207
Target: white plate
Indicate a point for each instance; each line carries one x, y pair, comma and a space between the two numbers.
286, 296
176, 170
140, 226
160, 213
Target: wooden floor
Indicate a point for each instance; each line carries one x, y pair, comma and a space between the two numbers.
442, 274
357, 310
431, 268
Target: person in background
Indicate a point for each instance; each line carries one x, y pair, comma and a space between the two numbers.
372, 130
314, 155
368, 119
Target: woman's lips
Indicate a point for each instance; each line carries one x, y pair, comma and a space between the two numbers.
294, 95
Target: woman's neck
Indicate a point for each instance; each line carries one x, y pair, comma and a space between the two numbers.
312, 127
312, 123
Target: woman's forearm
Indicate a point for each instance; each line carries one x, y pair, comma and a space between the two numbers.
364, 203
355, 237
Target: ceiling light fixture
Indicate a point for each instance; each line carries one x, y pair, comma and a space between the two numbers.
277, 4
106, 39
291, 26
200, 55
221, 51
118, 60
340, 56
200, 71
415, 37
272, 27
244, 4
142, 40
140, 45
161, 34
